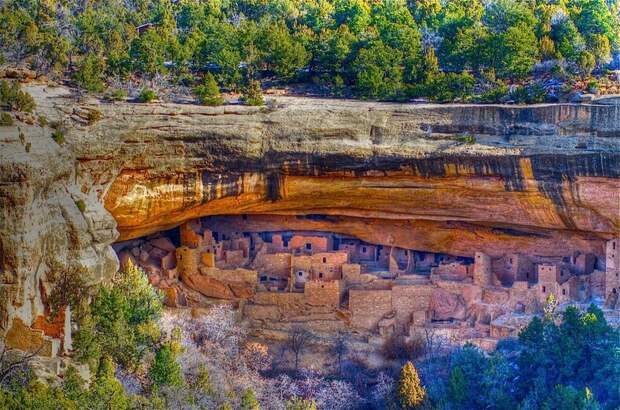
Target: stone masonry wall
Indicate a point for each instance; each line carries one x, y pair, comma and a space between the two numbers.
318, 293
407, 299
368, 307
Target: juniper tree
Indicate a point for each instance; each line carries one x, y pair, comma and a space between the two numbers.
411, 393
209, 92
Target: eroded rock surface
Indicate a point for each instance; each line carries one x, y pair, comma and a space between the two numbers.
538, 179
542, 179
47, 223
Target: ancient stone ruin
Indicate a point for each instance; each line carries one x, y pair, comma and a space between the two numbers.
334, 281
369, 217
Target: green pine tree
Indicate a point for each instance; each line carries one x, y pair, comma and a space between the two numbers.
411, 393
253, 95
73, 386
89, 73
248, 401
457, 386
209, 92
106, 392
165, 371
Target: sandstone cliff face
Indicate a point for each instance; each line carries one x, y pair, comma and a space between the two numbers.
542, 179
42, 228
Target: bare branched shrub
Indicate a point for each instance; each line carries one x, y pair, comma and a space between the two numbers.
339, 349
399, 348
298, 340
327, 394
383, 390
15, 365
220, 364
256, 355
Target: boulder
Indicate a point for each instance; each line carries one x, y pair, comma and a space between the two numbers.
171, 296
154, 279
169, 261
20, 73
157, 254
143, 256
207, 286
242, 290
170, 274
163, 243
447, 306
124, 257
146, 248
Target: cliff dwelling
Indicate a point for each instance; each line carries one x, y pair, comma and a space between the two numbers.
310, 205
334, 281
343, 219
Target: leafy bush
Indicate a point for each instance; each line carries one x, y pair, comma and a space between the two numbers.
253, 95
586, 62
466, 138
248, 401
117, 95
105, 392
81, 205
92, 116
592, 86
6, 119
165, 371
147, 95
298, 403
378, 71
531, 94
13, 98
69, 288
58, 136
378, 47
494, 95
446, 87
208, 92
42, 120
338, 87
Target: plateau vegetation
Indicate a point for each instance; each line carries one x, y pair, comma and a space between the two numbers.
467, 50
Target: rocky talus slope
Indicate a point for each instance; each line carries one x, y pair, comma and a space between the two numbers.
541, 179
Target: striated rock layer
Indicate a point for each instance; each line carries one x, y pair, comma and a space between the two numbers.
542, 179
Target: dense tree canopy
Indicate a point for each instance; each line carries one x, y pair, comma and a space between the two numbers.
377, 48
570, 361
121, 322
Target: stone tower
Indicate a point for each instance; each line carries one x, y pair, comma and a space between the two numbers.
612, 267
483, 275
187, 261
